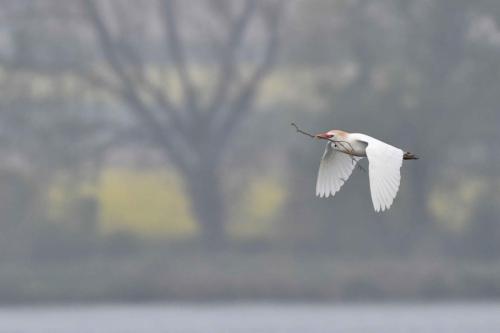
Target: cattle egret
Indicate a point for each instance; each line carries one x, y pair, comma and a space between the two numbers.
342, 153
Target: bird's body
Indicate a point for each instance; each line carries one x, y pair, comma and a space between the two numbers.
352, 144
342, 153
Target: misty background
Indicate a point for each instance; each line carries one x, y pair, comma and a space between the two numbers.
147, 153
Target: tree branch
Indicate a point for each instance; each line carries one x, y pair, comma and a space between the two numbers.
181, 157
302, 132
178, 56
142, 83
163, 136
228, 57
240, 105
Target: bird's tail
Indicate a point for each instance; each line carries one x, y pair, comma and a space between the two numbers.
410, 156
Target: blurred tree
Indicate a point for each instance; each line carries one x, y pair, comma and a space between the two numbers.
47, 130
192, 127
485, 226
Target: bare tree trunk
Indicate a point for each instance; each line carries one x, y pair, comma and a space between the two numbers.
208, 203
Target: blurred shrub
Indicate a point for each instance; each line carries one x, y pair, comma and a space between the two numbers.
482, 237
256, 212
17, 198
148, 202
151, 202
453, 202
18, 207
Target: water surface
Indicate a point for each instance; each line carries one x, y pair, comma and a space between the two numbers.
255, 318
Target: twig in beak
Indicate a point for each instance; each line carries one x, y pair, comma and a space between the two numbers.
341, 143
302, 132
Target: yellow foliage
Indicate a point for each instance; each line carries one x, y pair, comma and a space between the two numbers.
145, 202
151, 202
258, 208
148, 203
453, 205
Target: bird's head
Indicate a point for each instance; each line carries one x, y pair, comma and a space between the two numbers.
332, 134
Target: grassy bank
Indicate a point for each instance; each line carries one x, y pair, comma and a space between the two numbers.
164, 273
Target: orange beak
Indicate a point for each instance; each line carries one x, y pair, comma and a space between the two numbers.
323, 136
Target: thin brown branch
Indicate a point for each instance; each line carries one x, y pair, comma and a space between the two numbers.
331, 140
343, 144
301, 131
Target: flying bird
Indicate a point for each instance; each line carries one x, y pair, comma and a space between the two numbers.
344, 150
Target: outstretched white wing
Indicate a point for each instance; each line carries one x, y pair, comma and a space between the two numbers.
385, 164
334, 169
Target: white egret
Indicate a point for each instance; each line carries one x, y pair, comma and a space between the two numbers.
344, 150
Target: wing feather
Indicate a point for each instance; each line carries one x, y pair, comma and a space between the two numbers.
334, 170
385, 176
